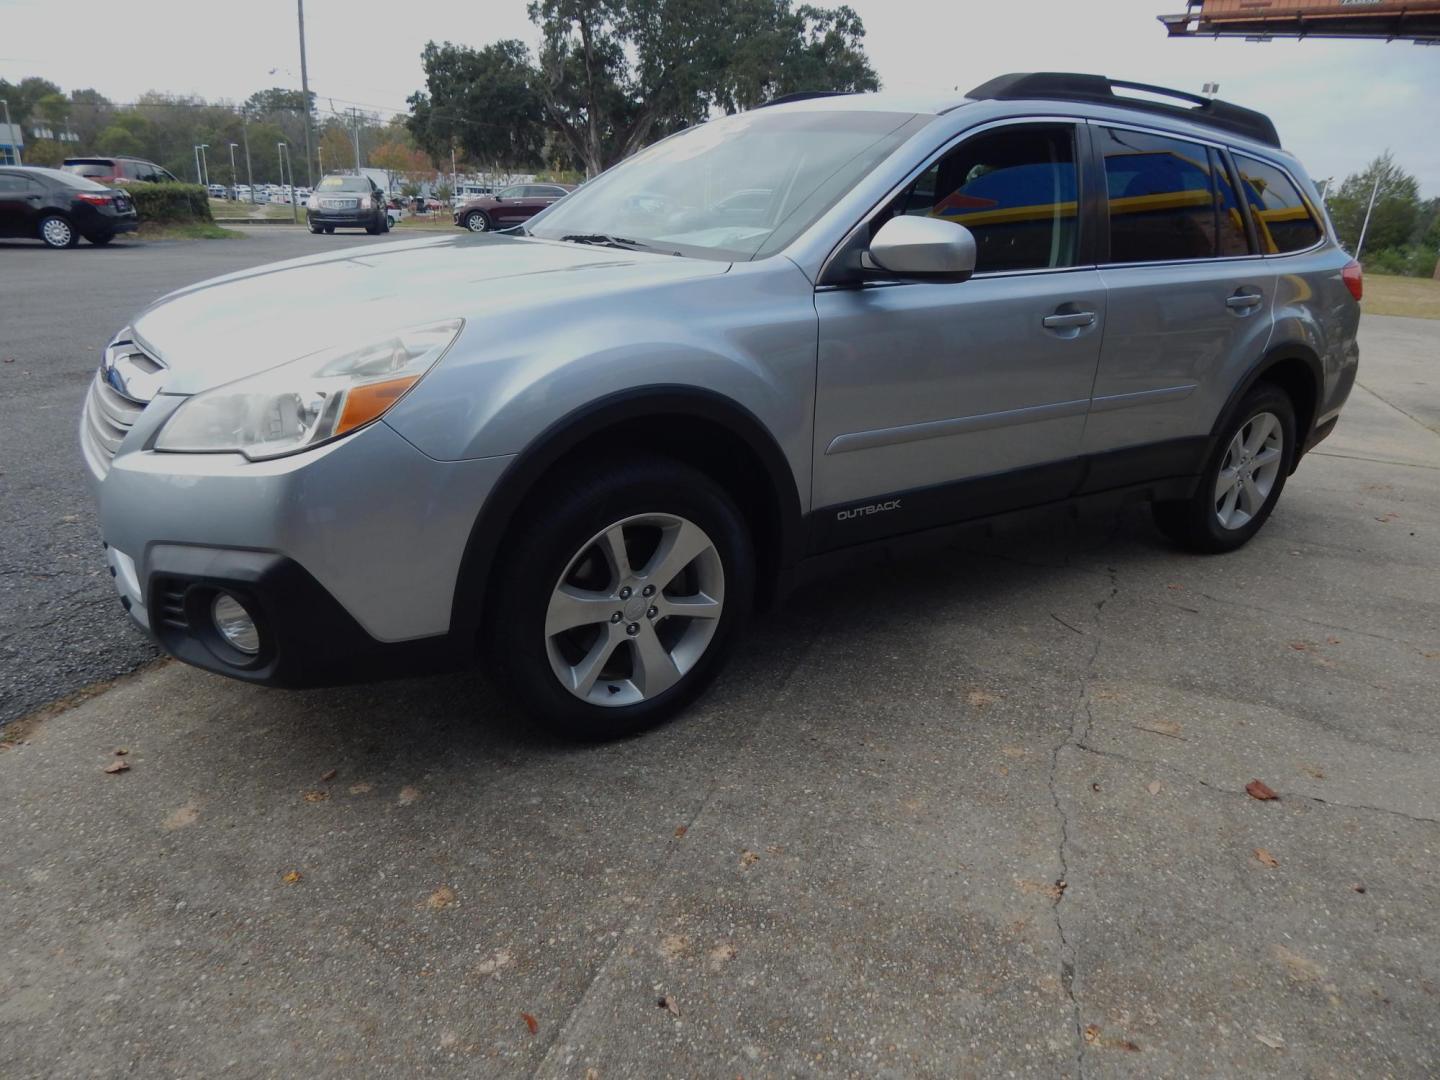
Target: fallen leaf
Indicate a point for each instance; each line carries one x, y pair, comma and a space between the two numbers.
1387, 517
1358, 887
1332, 641
672, 946
1013, 751
1169, 728
1315, 771
182, 817
118, 766
292, 877
1257, 789
408, 795
1126, 1044
748, 858
1275, 1042
1092, 1033
316, 796
361, 788
980, 698
1302, 646
592, 1074
1175, 587
721, 955
1094, 787
494, 964
1266, 858
1003, 770
1300, 968
1153, 787
668, 1004
121, 751
774, 849
442, 897
680, 831
530, 1022
1053, 890
329, 774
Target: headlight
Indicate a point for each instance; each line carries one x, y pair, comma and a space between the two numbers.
312, 203
364, 202
308, 401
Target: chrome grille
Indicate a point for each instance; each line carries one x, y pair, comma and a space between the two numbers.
109, 413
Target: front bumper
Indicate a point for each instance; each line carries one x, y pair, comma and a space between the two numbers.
348, 555
354, 219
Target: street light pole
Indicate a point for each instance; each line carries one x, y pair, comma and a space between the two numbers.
205, 164
305, 91
9, 129
234, 180
320, 150
1365, 225
199, 177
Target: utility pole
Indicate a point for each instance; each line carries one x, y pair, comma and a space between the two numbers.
305, 91
321, 151
9, 129
234, 180
355, 117
283, 151
245, 137
1365, 225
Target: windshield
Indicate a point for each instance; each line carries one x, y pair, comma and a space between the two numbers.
741, 187
344, 183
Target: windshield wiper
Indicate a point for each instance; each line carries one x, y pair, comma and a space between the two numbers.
607, 240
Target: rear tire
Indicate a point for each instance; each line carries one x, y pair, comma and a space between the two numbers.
595, 645
57, 232
477, 221
1242, 480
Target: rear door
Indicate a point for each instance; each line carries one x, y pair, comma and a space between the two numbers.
936, 402
1189, 304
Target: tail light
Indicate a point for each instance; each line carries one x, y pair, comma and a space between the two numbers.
1354, 280
93, 199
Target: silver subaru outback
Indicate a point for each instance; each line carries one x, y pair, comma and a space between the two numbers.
586, 449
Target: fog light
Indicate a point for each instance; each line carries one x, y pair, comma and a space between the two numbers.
235, 624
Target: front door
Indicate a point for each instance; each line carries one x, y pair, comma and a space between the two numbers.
939, 402
19, 200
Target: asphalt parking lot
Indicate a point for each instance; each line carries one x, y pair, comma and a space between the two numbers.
979, 813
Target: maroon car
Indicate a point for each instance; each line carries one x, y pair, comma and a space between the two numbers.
509, 206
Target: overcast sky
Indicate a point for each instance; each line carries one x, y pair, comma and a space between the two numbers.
1336, 104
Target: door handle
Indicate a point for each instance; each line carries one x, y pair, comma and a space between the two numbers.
1060, 322
1243, 301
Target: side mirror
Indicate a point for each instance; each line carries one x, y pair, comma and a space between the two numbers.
922, 247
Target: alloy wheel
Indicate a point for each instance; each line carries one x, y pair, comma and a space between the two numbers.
477, 223
1249, 469
635, 609
57, 232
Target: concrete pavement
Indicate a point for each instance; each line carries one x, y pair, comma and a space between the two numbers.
980, 813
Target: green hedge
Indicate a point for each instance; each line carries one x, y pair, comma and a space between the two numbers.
170, 202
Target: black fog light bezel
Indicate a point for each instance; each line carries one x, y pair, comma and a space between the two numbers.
199, 614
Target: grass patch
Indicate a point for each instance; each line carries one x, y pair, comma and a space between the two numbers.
1418, 298
187, 230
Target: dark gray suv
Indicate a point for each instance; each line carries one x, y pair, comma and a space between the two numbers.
347, 202
587, 449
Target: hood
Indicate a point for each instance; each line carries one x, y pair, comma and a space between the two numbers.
228, 327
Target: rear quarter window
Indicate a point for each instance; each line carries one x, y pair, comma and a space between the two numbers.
1284, 219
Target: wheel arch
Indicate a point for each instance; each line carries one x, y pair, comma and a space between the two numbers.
1296, 369
699, 427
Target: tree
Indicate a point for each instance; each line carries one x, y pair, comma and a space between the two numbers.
613, 75
1398, 209
337, 150
482, 103
399, 160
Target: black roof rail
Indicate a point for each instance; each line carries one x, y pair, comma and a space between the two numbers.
802, 95
1067, 86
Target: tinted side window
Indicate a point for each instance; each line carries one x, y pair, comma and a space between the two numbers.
10, 182
1283, 218
1014, 189
1166, 199
1231, 238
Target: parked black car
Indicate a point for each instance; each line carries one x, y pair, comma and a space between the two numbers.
60, 207
347, 202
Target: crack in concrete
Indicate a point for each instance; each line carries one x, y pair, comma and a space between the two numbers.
1076, 736
1083, 746
1397, 408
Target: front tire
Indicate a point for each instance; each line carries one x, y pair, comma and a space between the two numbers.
57, 232
1242, 480
477, 221
315, 228
626, 588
